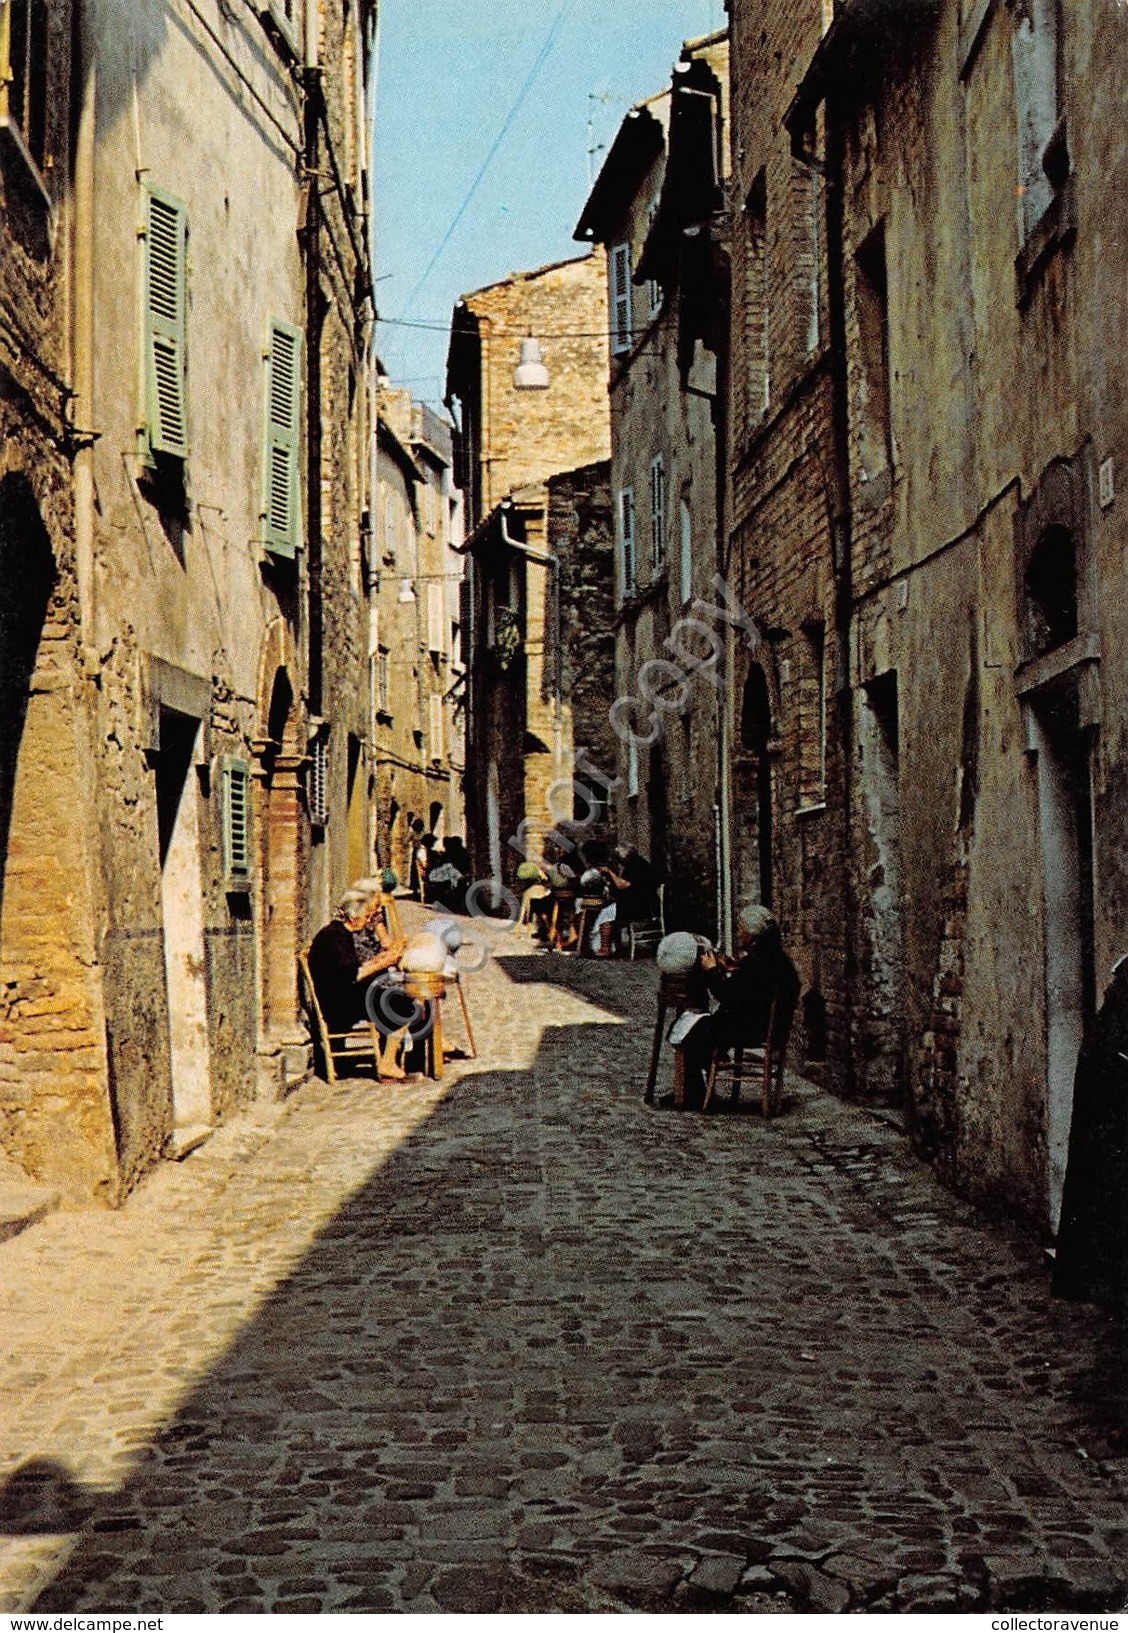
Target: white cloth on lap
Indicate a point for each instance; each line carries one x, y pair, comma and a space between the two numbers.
606, 915
683, 1026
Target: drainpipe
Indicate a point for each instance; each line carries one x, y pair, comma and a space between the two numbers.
313, 316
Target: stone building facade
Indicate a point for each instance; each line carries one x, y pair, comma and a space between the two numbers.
508, 438
541, 672
787, 837
532, 464
171, 863
959, 539
417, 656
651, 208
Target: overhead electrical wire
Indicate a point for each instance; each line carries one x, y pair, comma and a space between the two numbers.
541, 59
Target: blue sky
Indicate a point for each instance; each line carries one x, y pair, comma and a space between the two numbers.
451, 74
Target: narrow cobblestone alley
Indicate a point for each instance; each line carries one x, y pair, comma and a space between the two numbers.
514, 1341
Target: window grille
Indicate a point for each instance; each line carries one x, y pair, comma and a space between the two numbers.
657, 512
319, 783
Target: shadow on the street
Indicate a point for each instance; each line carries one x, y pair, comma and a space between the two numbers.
555, 1332
616, 986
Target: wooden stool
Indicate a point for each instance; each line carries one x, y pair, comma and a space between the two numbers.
430, 989
676, 992
563, 907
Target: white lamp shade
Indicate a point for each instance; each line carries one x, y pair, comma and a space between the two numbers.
530, 373
406, 593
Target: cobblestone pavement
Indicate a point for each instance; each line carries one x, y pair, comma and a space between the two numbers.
513, 1341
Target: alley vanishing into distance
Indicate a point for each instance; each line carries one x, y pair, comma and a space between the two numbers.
514, 1341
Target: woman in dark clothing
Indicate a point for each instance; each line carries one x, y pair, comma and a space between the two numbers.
763, 975
340, 969
1092, 1244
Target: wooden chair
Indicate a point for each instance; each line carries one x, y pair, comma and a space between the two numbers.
766, 1063
677, 993
535, 893
647, 933
563, 915
587, 909
360, 1044
456, 981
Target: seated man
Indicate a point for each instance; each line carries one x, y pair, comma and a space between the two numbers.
346, 954
745, 996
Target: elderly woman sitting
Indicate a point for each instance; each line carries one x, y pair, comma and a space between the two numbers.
345, 955
745, 992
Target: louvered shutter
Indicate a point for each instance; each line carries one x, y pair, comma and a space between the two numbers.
236, 821
436, 619
435, 747
621, 298
166, 299
281, 508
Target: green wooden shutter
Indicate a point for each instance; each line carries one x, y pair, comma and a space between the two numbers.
281, 506
236, 775
166, 326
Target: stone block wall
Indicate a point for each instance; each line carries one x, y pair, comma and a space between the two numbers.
527, 436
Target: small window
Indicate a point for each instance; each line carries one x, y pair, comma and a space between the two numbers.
23, 74
628, 565
756, 333
319, 782
1051, 592
872, 305
165, 240
657, 513
621, 299
281, 507
236, 817
1034, 49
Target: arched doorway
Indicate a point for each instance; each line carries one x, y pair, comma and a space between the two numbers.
752, 787
283, 849
27, 571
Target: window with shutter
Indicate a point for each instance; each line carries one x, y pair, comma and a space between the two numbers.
435, 726
236, 785
436, 621
281, 507
166, 326
657, 513
627, 540
620, 299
